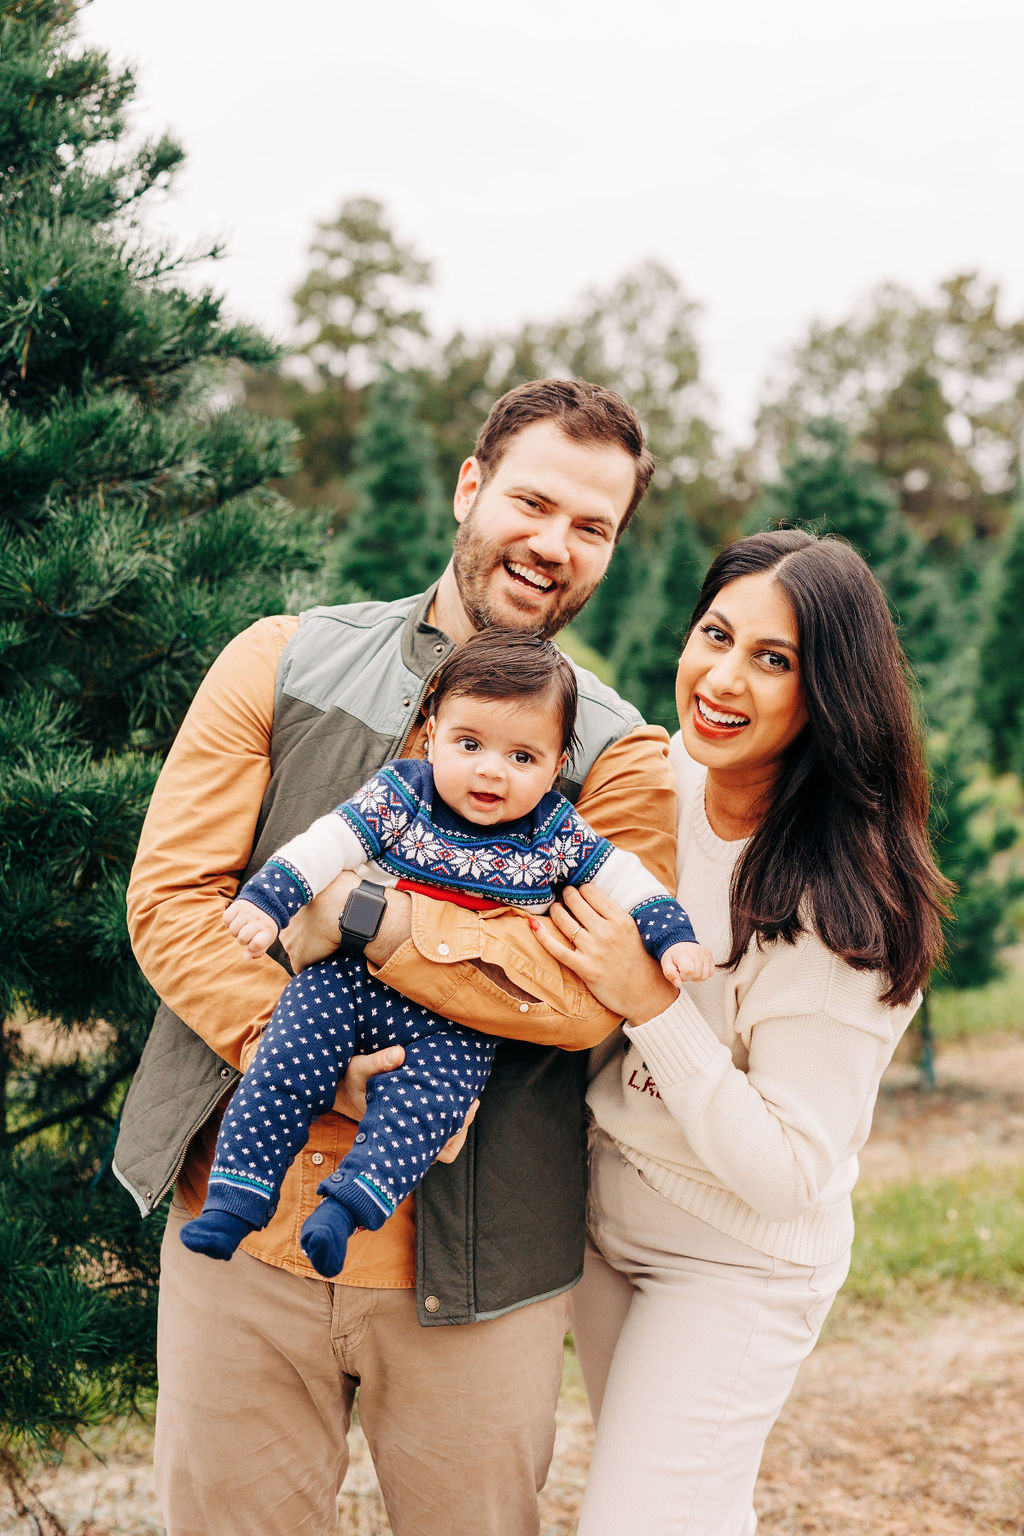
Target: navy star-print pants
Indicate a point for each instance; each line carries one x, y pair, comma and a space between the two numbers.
325, 1015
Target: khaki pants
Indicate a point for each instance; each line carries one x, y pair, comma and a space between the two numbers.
259, 1370
690, 1343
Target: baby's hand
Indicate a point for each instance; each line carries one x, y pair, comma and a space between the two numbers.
251, 926
687, 962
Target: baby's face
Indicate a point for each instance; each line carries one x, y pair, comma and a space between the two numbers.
494, 760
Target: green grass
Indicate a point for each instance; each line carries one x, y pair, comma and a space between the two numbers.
922, 1241
995, 1009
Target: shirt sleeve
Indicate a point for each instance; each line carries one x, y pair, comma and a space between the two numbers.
456, 959
196, 841
775, 1133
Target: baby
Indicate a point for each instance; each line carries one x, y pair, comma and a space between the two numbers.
479, 823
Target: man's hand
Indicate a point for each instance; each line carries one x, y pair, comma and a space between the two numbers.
350, 1099
251, 926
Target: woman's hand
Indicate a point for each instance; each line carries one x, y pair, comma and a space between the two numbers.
350, 1099
600, 942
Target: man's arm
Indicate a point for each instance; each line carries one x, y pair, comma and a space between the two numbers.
196, 842
456, 961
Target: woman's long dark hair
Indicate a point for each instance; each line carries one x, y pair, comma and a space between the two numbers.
843, 846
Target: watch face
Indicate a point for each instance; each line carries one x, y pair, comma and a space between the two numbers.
362, 917
363, 913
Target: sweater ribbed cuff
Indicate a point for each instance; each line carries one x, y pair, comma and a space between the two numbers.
678, 1043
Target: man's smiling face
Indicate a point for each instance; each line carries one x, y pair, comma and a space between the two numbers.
535, 539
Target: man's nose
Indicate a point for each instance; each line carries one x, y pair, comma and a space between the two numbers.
550, 541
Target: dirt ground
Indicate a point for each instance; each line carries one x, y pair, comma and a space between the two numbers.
898, 1426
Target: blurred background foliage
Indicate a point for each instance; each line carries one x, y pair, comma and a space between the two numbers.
167, 476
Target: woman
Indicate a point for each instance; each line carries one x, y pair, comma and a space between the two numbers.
726, 1123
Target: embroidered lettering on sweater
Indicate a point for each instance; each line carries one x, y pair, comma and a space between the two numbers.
641, 1081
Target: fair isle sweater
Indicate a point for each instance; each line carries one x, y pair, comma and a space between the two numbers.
397, 827
746, 1102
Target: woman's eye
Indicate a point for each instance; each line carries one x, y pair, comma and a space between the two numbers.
714, 634
774, 662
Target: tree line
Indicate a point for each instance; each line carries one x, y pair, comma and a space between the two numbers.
143, 521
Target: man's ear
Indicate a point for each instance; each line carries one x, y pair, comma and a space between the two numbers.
431, 728
466, 488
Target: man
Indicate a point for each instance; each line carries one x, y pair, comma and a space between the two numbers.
259, 1359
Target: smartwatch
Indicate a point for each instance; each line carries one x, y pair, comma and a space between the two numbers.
362, 917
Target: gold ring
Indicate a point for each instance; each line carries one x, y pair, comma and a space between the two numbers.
572, 936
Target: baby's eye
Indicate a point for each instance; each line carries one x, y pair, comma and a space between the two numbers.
468, 744
522, 758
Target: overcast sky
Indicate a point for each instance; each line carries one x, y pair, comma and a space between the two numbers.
780, 157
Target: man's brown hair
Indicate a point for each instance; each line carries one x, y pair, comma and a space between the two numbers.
586, 413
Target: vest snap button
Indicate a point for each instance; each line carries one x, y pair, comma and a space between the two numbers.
432, 1304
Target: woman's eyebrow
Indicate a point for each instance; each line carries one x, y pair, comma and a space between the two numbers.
784, 645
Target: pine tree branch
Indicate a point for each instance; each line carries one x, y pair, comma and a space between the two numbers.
88, 1106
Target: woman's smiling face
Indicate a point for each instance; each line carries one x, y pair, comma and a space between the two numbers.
738, 688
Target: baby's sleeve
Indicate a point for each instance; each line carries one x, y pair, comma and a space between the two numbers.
356, 831
660, 919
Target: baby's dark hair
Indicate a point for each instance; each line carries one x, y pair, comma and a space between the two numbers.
511, 664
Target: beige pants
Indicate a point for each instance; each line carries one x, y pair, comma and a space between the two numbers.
258, 1374
690, 1343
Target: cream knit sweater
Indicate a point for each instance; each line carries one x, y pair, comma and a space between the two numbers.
746, 1102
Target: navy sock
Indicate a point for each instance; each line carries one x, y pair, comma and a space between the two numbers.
216, 1233
325, 1235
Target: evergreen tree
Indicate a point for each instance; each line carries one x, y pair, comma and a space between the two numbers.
357, 312
600, 621
398, 537
930, 388
136, 535
646, 654
1000, 691
968, 834
826, 488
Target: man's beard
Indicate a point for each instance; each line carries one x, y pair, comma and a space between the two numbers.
475, 558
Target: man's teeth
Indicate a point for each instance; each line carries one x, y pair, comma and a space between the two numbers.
718, 716
542, 583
